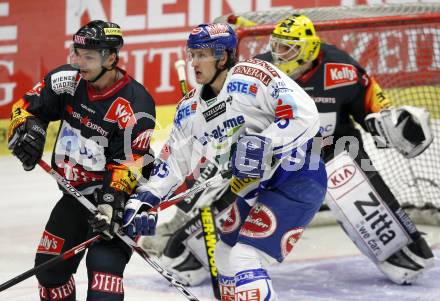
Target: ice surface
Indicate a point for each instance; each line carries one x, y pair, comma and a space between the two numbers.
324, 266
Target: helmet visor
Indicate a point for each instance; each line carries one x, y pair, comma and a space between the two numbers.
285, 51
198, 55
85, 58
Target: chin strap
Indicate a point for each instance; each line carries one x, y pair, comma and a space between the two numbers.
103, 71
217, 73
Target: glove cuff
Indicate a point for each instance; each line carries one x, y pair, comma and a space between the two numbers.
147, 198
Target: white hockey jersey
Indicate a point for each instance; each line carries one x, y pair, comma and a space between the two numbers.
256, 97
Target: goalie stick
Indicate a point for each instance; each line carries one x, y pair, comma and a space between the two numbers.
59, 258
206, 216
153, 262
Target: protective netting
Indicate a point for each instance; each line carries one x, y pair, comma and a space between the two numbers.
400, 46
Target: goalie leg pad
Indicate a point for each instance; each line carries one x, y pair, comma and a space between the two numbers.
186, 268
380, 229
362, 212
156, 244
408, 264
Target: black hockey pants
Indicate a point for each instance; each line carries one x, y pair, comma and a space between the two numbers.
105, 260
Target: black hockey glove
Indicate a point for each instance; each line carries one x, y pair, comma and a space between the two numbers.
110, 204
26, 141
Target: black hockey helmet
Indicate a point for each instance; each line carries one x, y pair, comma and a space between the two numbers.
99, 34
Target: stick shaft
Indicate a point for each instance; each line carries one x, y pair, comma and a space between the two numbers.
153, 262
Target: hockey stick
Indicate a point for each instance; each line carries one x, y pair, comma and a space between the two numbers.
59, 258
153, 262
206, 216
81, 247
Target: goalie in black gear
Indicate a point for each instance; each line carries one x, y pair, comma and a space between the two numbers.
342, 91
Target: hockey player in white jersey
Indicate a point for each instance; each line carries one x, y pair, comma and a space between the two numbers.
391, 239
253, 119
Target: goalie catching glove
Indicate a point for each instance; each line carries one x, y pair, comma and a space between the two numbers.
26, 137
137, 218
406, 129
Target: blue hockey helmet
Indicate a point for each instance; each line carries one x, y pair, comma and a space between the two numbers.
218, 36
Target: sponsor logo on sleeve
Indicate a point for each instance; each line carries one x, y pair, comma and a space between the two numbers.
253, 72
215, 111
36, 90
50, 244
242, 87
185, 111
64, 82
339, 75
142, 141
279, 88
121, 112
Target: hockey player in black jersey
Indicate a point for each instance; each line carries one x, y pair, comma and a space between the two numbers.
342, 91
100, 108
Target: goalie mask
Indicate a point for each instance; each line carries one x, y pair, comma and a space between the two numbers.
293, 43
405, 128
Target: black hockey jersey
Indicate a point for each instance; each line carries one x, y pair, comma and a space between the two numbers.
340, 88
103, 136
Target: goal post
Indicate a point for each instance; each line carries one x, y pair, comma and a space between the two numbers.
400, 46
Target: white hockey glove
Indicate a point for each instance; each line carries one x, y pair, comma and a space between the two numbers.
405, 128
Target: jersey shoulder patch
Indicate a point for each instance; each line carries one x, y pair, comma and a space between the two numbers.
252, 71
64, 80
266, 66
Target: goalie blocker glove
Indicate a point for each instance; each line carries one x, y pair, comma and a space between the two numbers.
26, 138
405, 128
